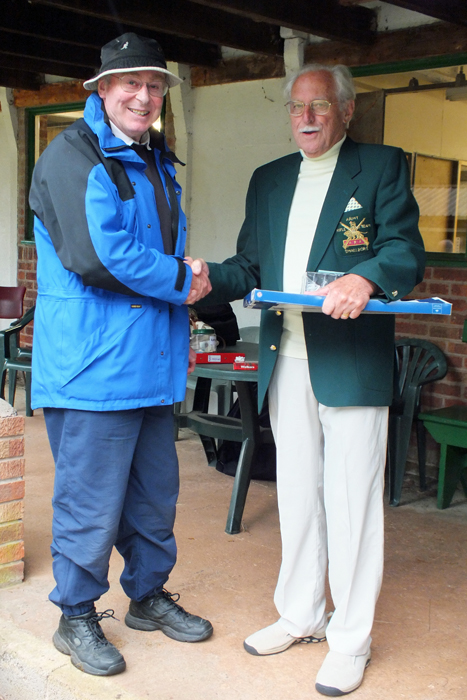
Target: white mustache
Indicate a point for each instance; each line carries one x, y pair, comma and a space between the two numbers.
309, 129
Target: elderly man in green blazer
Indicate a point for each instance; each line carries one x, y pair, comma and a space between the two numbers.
346, 207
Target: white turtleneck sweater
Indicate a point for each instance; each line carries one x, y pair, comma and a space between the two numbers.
312, 186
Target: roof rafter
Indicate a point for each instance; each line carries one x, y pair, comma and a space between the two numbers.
53, 51
41, 65
325, 18
74, 31
13, 77
426, 41
181, 18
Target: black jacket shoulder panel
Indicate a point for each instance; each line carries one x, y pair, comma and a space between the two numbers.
82, 137
57, 196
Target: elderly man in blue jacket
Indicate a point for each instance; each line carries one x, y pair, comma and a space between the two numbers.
340, 206
111, 351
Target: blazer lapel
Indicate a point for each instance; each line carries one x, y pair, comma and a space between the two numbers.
279, 203
340, 191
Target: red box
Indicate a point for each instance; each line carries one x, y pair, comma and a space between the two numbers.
204, 358
245, 365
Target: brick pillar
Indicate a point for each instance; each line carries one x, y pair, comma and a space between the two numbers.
11, 495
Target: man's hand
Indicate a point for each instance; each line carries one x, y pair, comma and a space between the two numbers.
200, 284
191, 360
346, 297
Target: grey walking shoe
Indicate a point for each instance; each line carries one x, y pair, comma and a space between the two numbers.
274, 639
82, 638
162, 612
341, 674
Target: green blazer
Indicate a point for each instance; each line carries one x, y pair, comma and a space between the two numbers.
369, 226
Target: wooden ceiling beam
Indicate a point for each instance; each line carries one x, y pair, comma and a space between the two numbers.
402, 45
41, 65
75, 30
51, 94
181, 18
56, 52
325, 18
454, 11
14, 78
239, 70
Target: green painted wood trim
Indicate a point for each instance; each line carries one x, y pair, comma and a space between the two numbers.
415, 64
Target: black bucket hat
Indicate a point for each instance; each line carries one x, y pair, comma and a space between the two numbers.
129, 53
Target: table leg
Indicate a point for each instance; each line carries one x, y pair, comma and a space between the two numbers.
251, 439
201, 403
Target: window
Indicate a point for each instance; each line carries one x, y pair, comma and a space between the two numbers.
424, 112
43, 124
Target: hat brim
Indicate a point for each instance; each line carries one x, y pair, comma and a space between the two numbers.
171, 78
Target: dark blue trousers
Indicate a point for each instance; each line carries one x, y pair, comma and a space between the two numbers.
116, 483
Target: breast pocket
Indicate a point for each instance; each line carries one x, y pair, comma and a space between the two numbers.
354, 235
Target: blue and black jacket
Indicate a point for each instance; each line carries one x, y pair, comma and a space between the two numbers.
111, 328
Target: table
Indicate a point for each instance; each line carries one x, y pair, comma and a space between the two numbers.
246, 429
448, 426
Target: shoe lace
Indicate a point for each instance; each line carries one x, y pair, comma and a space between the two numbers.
94, 628
103, 615
172, 598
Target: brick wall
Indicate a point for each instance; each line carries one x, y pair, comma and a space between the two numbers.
11, 496
27, 258
27, 264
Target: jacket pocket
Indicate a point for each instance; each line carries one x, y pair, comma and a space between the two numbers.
354, 236
112, 323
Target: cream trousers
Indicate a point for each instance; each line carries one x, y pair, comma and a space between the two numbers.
330, 481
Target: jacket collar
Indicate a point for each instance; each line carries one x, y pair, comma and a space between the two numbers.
96, 117
341, 189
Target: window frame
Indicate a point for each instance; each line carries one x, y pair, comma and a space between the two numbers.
436, 259
31, 114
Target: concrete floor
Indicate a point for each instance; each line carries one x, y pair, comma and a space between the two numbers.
419, 636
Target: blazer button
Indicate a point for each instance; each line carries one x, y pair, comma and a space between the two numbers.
272, 347
278, 313
394, 294
162, 400
149, 225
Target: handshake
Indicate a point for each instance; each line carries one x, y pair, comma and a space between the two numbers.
200, 284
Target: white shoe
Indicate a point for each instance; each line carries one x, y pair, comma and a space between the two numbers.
274, 639
341, 674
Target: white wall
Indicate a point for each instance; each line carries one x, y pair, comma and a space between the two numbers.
8, 192
234, 129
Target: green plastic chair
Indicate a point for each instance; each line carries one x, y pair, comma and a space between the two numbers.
11, 308
448, 426
17, 359
418, 362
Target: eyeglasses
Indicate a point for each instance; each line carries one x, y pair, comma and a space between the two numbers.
131, 84
320, 107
